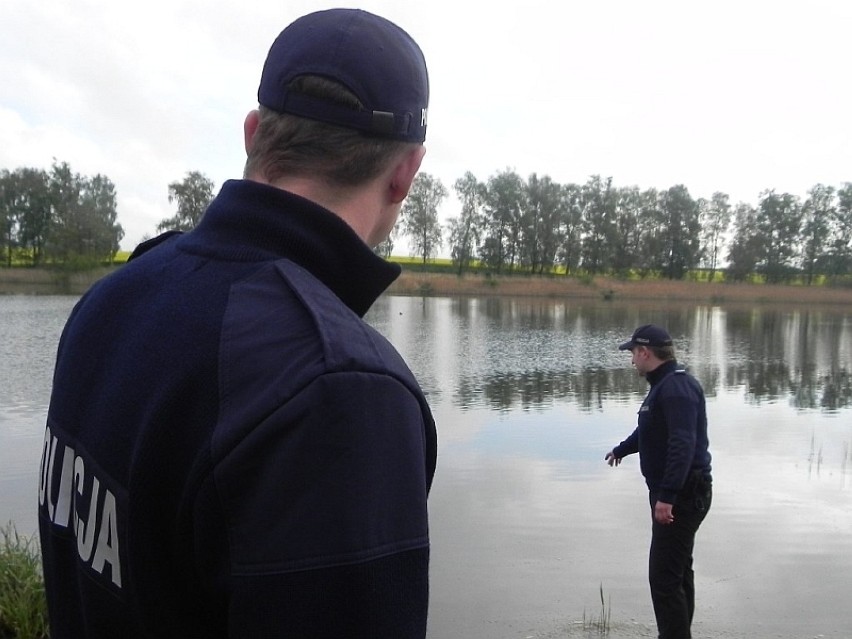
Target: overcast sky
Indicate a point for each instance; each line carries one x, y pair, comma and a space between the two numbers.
733, 96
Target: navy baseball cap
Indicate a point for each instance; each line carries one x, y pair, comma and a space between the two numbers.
647, 335
371, 56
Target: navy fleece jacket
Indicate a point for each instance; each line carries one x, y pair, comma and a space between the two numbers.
671, 435
230, 450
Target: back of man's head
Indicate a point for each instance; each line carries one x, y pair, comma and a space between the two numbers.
342, 93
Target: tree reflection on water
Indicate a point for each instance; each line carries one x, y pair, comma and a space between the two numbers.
505, 353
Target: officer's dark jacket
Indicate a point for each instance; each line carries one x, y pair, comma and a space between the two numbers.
230, 450
671, 436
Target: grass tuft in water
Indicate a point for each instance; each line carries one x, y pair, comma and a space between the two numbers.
23, 607
599, 624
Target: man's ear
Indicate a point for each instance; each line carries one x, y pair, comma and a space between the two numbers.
404, 172
250, 128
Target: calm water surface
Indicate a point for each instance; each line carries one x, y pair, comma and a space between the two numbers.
528, 522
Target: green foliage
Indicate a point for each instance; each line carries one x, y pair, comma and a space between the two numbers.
540, 223
48, 217
714, 220
23, 607
504, 204
193, 195
586, 279
537, 226
507, 224
629, 232
25, 212
385, 249
599, 201
419, 217
69, 221
570, 227
817, 213
84, 220
466, 229
679, 233
416, 265
778, 225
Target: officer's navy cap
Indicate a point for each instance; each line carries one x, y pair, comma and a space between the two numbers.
647, 335
369, 55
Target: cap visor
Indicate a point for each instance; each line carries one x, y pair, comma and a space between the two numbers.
626, 346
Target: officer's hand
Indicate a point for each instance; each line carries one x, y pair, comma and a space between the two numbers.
611, 459
663, 513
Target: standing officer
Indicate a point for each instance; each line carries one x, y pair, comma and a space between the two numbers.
671, 439
231, 451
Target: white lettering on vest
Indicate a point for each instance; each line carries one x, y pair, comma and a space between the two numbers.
96, 532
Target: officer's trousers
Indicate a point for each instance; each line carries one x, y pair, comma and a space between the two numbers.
670, 573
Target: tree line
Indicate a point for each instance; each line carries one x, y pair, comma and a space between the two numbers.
505, 224
57, 216
540, 226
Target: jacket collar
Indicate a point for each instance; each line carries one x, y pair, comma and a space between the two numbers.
656, 375
249, 221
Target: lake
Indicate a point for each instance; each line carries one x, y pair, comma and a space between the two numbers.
528, 523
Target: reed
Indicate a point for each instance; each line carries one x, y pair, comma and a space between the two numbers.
601, 623
23, 607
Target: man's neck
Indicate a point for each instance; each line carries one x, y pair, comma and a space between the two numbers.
354, 205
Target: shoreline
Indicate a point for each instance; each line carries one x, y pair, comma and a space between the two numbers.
609, 289
40, 281
44, 281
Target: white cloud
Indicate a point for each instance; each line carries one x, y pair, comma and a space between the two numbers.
738, 97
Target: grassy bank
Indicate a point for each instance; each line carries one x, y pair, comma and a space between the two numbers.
30, 281
612, 289
43, 281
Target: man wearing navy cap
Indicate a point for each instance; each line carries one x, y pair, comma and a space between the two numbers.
671, 439
230, 450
